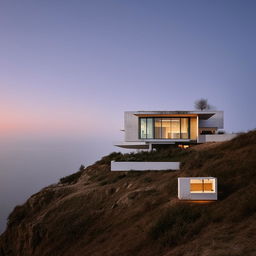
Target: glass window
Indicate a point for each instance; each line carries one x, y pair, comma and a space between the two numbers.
184, 128
202, 186
157, 128
166, 128
175, 128
143, 128
149, 128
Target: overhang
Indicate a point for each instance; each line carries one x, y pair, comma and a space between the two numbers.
133, 145
205, 116
201, 114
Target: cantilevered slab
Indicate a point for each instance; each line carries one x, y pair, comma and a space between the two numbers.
144, 166
133, 145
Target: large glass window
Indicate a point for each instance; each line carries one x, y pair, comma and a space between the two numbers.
143, 128
150, 126
175, 128
202, 186
146, 128
157, 127
184, 128
164, 128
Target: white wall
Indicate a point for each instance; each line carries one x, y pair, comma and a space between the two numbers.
217, 120
144, 166
216, 137
131, 126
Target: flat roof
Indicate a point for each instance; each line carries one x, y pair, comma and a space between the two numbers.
201, 114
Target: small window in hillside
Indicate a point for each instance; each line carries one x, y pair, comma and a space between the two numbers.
202, 186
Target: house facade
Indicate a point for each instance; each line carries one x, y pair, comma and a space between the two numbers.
147, 129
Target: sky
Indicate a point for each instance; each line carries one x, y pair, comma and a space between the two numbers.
69, 69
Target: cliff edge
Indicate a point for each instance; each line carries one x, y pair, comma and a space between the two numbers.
97, 212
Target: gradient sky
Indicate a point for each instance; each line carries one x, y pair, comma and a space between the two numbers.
68, 70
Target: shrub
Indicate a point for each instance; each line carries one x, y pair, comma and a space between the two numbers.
169, 153
114, 156
147, 180
247, 204
117, 178
17, 215
71, 179
114, 179
82, 167
171, 187
133, 174
38, 234
47, 197
174, 224
103, 183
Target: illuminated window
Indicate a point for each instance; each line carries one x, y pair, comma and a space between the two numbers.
184, 128
157, 128
175, 128
202, 186
164, 128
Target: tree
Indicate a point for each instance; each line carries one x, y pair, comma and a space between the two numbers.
202, 104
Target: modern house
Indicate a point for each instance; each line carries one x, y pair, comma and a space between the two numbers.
197, 188
148, 129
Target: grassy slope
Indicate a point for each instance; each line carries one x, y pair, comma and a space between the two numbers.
96, 212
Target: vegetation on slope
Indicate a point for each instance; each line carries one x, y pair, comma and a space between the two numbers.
171, 153
97, 212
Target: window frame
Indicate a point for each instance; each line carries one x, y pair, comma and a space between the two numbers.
202, 182
153, 132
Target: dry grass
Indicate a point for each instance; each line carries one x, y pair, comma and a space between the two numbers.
96, 212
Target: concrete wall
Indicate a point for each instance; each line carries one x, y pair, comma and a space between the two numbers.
131, 126
184, 190
216, 120
216, 137
144, 166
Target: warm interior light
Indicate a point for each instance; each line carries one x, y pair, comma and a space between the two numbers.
199, 201
183, 146
202, 186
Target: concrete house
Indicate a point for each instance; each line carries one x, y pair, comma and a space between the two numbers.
197, 188
147, 129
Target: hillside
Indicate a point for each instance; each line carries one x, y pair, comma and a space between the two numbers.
95, 212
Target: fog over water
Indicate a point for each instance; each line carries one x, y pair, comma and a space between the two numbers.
29, 164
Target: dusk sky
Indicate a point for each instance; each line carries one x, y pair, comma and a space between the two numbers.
69, 69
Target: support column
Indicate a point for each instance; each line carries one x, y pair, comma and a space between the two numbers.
197, 129
150, 147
